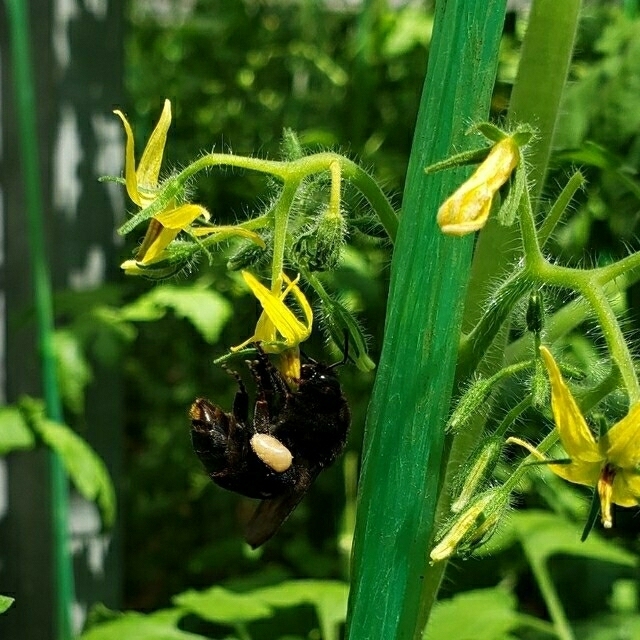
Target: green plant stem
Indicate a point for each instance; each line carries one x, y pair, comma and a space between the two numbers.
625, 267
559, 207
512, 416
281, 219
586, 283
287, 171
615, 339
390, 597
554, 605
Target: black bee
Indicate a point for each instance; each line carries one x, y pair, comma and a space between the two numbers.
277, 454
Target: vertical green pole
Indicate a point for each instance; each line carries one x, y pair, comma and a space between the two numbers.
63, 587
404, 435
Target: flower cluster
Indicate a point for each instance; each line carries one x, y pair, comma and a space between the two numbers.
303, 225
610, 462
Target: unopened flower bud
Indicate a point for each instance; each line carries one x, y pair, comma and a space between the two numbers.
290, 147
471, 402
474, 475
154, 271
251, 255
321, 245
338, 321
535, 313
468, 209
473, 526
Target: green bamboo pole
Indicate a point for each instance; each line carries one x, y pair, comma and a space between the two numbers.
404, 433
63, 586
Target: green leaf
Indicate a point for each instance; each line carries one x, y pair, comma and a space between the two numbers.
15, 433
205, 309
5, 603
85, 468
610, 627
485, 614
74, 372
220, 605
223, 606
412, 28
544, 534
161, 625
328, 597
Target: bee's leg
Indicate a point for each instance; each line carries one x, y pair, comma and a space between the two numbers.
264, 382
241, 399
277, 381
261, 417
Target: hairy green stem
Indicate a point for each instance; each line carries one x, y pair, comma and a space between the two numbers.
287, 171
280, 223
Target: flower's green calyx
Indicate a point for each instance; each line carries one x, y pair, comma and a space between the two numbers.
473, 526
477, 395
320, 247
535, 312
476, 473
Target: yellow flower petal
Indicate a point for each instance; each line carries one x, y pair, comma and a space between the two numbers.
157, 245
130, 162
151, 161
468, 209
284, 320
163, 229
578, 472
626, 488
622, 441
501, 161
586, 473
574, 433
302, 301
277, 319
181, 217
131, 268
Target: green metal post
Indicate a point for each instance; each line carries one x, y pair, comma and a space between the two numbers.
25, 106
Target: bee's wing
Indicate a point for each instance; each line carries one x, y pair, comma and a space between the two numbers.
272, 512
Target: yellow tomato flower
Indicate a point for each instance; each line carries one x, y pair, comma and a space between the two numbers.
142, 182
143, 188
467, 210
278, 329
611, 464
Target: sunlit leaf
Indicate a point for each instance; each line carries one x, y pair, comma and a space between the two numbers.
15, 433
545, 534
223, 606
84, 467
205, 309
161, 625
485, 614
5, 603
329, 598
